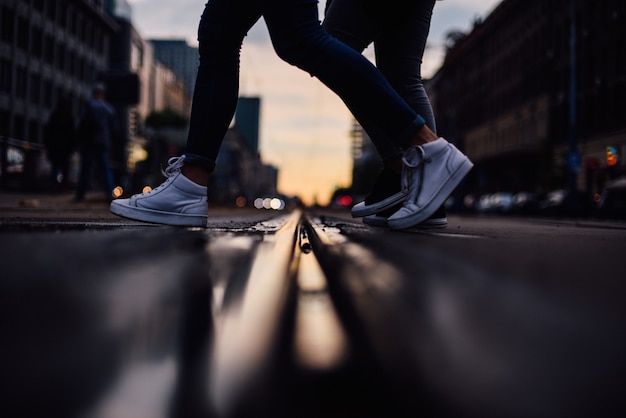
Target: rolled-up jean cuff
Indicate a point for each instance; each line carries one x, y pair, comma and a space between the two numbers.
193, 159
410, 130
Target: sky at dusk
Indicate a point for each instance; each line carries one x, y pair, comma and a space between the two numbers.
304, 126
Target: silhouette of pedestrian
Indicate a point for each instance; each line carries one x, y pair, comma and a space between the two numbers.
95, 131
60, 140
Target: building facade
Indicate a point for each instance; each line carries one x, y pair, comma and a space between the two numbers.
240, 173
51, 48
48, 48
180, 57
535, 95
248, 120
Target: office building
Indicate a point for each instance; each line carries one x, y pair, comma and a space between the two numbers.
179, 57
535, 95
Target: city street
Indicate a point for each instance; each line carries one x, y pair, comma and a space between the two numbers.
307, 313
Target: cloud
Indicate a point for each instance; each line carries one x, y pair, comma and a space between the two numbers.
304, 126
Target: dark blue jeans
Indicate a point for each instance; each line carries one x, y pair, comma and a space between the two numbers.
91, 155
399, 49
299, 39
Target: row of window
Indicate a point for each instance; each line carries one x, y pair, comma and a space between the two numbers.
18, 80
32, 38
22, 127
513, 61
47, 48
30, 127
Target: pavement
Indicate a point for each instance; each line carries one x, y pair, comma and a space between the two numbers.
490, 317
42, 205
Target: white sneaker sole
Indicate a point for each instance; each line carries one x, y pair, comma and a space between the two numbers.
360, 209
155, 216
430, 223
429, 208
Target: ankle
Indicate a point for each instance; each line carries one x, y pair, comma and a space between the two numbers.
196, 173
423, 136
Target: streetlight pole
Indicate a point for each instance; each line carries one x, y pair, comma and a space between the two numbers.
574, 156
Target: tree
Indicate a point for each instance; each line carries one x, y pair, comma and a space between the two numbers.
167, 118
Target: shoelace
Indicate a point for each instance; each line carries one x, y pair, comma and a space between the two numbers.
413, 171
173, 165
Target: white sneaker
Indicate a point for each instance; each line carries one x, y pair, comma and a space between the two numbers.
430, 223
430, 173
386, 193
177, 201
438, 220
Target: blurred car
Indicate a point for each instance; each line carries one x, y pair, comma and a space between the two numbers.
344, 198
501, 202
525, 203
613, 200
560, 202
483, 205
469, 202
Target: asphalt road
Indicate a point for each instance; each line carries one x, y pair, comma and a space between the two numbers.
490, 317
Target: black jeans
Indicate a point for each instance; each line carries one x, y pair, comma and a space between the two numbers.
399, 50
299, 39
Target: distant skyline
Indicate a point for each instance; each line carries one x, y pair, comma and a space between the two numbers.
304, 126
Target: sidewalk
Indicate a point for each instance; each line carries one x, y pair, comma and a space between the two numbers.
46, 205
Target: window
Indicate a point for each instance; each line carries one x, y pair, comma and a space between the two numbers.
4, 123
61, 59
22, 33
8, 24
35, 88
51, 10
47, 93
33, 131
36, 46
72, 65
49, 49
6, 75
20, 82
18, 127
63, 16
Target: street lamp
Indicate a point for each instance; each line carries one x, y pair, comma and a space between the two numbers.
574, 158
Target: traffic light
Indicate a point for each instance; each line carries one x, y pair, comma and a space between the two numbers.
612, 156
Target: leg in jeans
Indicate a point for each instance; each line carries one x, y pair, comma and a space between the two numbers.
298, 39
223, 26
84, 175
399, 56
399, 49
101, 153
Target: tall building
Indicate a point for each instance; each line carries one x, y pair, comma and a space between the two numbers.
247, 120
240, 173
535, 95
119, 8
47, 48
126, 78
366, 162
180, 57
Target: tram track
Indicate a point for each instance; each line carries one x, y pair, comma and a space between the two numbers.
305, 314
